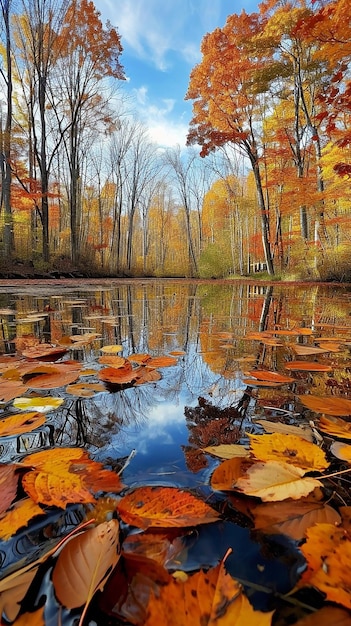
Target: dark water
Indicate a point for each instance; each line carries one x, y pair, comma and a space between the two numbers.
208, 327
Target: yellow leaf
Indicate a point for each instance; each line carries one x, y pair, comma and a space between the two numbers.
42, 405
288, 449
226, 474
335, 426
18, 516
227, 451
275, 481
341, 451
302, 431
83, 563
111, 349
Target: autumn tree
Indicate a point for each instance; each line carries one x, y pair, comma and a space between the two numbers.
227, 107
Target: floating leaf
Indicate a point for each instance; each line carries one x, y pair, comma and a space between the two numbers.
335, 426
119, 376
53, 381
44, 351
84, 562
140, 358
275, 481
328, 555
288, 448
253, 382
113, 360
287, 518
226, 474
227, 451
147, 375
271, 376
42, 405
18, 516
308, 366
31, 619
21, 423
162, 361
326, 616
111, 349
85, 390
278, 427
302, 350
9, 389
8, 485
164, 507
211, 598
328, 405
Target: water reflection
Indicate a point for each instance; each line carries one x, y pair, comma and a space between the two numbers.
210, 327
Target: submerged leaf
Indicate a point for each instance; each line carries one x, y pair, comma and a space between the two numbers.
164, 507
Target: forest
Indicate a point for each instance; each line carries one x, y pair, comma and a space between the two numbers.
261, 188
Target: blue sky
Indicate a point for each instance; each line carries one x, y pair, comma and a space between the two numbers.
161, 44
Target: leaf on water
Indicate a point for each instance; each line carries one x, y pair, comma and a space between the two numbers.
140, 358
164, 507
113, 360
31, 619
271, 376
9, 389
162, 361
335, 426
53, 381
85, 390
288, 449
147, 375
226, 474
253, 382
119, 376
8, 485
228, 451
41, 405
20, 423
157, 547
111, 349
341, 450
84, 562
278, 427
13, 588
302, 350
275, 481
308, 366
44, 351
326, 616
211, 598
287, 518
18, 516
328, 555
330, 406
66, 475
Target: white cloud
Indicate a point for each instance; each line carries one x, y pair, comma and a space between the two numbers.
163, 128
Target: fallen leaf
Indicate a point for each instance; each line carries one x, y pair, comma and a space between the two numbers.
113, 360
44, 351
226, 474
41, 405
18, 516
278, 427
275, 481
111, 349
211, 598
342, 451
288, 449
147, 375
164, 507
328, 554
271, 376
331, 406
309, 366
227, 451
302, 350
119, 376
140, 358
31, 619
85, 390
287, 518
335, 426
162, 361
8, 485
84, 562
9, 389
20, 423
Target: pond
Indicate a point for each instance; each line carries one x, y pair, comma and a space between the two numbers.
200, 344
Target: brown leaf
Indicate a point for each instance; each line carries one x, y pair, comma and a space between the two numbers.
8, 485
10, 389
327, 616
44, 351
20, 423
84, 562
335, 426
308, 366
302, 350
164, 507
119, 376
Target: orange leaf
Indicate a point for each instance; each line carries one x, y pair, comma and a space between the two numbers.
162, 361
44, 351
119, 376
31, 619
342, 451
10, 389
211, 598
309, 366
83, 563
302, 350
330, 406
271, 376
226, 474
335, 426
164, 507
113, 360
85, 390
328, 555
19, 515
288, 449
21, 423
141, 359
326, 616
8, 485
